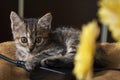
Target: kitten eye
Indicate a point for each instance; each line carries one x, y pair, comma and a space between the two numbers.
24, 40
38, 39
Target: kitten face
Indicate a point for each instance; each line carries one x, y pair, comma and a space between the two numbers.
30, 35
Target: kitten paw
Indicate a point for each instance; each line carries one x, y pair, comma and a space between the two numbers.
49, 62
44, 63
29, 65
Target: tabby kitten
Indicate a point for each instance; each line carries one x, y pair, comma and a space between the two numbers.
37, 44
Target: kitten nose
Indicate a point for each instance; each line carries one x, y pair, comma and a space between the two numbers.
31, 48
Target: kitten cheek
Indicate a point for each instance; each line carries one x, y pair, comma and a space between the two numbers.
27, 50
24, 44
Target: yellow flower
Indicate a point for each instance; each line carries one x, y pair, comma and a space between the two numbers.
85, 51
109, 14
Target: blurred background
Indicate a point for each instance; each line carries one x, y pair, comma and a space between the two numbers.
65, 12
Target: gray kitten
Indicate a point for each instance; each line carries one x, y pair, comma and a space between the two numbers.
37, 44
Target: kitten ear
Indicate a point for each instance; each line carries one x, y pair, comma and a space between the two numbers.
15, 19
45, 21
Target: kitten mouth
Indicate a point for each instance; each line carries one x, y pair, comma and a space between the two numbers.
28, 50
32, 51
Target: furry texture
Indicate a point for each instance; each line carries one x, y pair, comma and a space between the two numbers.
54, 48
37, 44
9, 71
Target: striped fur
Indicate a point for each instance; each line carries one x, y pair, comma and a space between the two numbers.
37, 44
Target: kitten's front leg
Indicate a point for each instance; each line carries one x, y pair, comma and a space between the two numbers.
32, 61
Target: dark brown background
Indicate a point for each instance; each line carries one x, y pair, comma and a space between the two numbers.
65, 12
